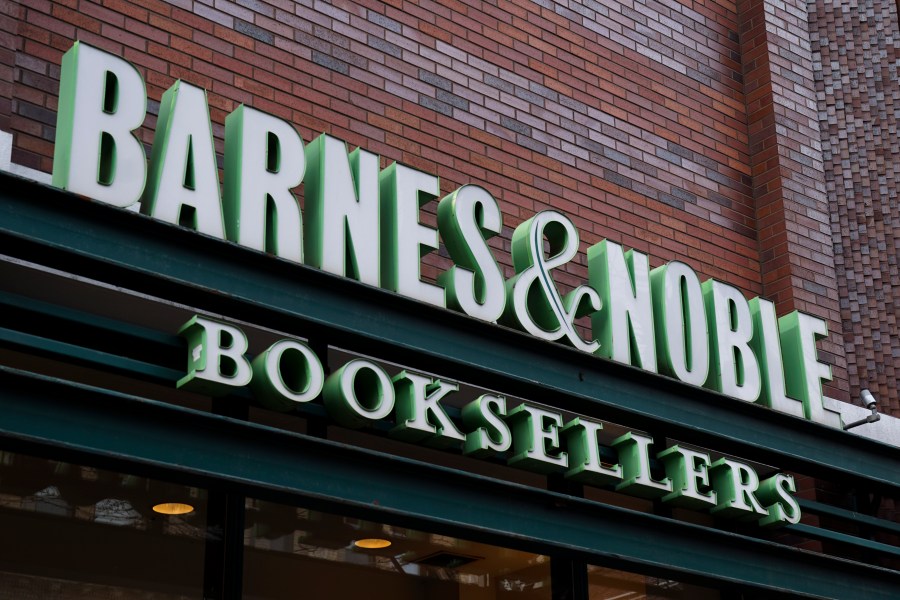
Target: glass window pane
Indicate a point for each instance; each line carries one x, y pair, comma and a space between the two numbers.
291, 550
610, 584
71, 531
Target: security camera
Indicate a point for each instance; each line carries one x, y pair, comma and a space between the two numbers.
868, 399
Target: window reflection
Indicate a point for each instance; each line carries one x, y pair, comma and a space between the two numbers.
329, 556
72, 531
610, 584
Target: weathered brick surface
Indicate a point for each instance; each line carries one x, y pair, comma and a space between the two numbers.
10, 19
856, 48
628, 115
796, 255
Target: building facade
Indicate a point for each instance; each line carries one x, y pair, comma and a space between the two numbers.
753, 142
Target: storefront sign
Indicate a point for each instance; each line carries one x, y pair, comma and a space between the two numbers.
362, 394
362, 222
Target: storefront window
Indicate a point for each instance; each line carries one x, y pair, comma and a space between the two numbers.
71, 531
610, 584
292, 552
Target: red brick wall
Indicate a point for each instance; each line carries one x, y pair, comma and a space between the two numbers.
857, 47
793, 221
628, 115
10, 17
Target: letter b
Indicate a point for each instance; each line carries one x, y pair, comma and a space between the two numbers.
216, 361
101, 102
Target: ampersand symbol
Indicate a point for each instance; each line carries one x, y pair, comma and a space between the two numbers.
539, 309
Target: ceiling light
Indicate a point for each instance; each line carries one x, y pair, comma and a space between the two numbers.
372, 543
173, 508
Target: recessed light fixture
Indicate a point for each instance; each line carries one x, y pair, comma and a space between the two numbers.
372, 543
173, 508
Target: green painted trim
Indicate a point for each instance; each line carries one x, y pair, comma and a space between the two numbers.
58, 229
849, 515
101, 324
43, 415
817, 533
86, 356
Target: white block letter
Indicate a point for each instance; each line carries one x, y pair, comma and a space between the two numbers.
342, 210
102, 100
404, 241
264, 160
183, 186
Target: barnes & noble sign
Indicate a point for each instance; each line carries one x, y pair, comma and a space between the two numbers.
362, 222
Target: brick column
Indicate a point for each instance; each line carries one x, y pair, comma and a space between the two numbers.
10, 18
856, 47
793, 220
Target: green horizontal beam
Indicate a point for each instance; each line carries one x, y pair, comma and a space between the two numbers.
849, 515
99, 324
817, 533
114, 430
55, 228
86, 356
